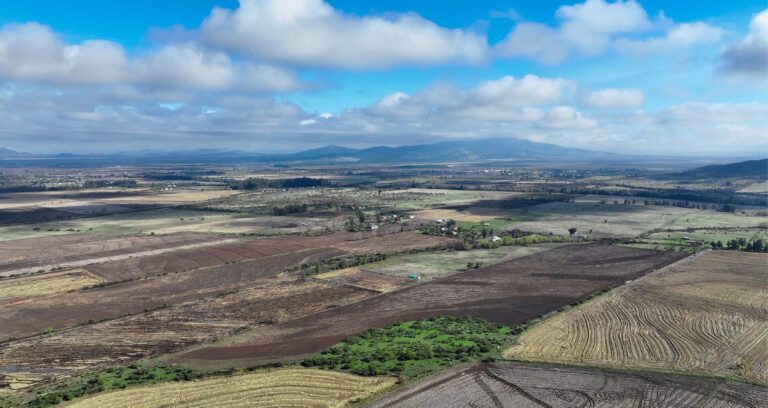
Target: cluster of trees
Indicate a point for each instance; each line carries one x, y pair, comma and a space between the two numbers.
480, 237
259, 183
342, 263
741, 244
392, 350
109, 183
289, 209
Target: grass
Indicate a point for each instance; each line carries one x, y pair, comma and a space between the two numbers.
414, 348
699, 220
434, 265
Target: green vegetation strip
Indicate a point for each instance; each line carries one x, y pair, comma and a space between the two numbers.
414, 348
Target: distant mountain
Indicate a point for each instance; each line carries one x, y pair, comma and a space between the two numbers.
8, 153
749, 168
453, 151
322, 152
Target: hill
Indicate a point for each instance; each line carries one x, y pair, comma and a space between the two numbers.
749, 168
453, 151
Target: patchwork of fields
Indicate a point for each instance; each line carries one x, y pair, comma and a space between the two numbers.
509, 292
95, 280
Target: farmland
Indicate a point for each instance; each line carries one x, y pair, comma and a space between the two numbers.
205, 273
283, 387
509, 293
104, 344
533, 385
436, 265
706, 315
129, 294
600, 220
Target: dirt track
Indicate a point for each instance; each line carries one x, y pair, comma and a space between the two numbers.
526, 385
510, 293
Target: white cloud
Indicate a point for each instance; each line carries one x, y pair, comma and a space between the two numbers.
614, 99
585, 29
678, 36
33, 52
595, 26
312, 33
749, 57
588, 26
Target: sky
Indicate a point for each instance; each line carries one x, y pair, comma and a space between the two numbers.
638, 77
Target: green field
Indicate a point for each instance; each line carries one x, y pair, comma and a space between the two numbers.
716, 220
413, 348
708, 235
435, 265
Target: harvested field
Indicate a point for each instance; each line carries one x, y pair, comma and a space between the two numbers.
27, 288
510, 293
29, 255
292, 387
706, 315
120, 341
532, 385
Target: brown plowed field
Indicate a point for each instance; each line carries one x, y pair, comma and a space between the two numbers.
509, 292
705, 315
62, 310
68, 309
53, 250
349, 243
524, 385
98, 346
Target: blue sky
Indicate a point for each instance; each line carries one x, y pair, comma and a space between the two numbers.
655, 77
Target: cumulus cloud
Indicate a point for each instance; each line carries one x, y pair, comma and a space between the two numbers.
312, 33
585, 29
750, 57
678, 36
595, 26
614, 99
506, 98
33, 52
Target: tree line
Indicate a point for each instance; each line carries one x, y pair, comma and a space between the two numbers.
253, 183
